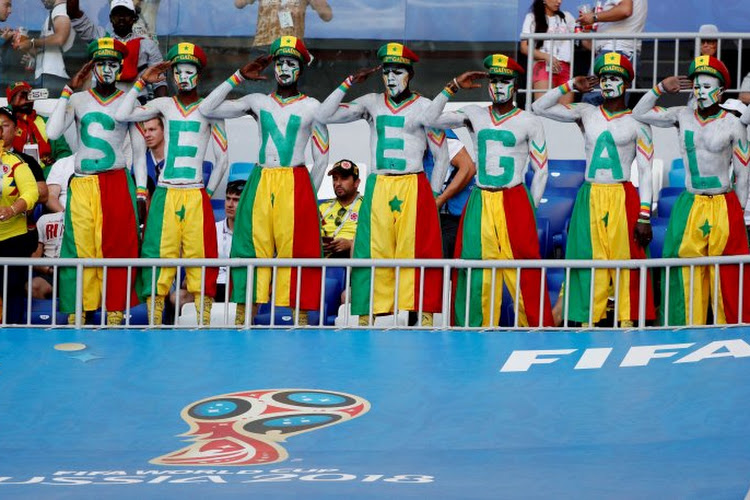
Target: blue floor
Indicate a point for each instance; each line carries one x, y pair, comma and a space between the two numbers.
339, 414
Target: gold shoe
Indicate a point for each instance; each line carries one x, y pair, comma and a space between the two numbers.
208, 302
427, 319
303, 321
627, 324
114, 318
157, 304
364, 320
239, 317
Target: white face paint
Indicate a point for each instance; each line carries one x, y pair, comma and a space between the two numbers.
502, 89
185, 76
707, 90
613, 86
287, 70
106, 70
396, 79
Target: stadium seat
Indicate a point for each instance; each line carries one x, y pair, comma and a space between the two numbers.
659, 230
666, 203
559, 178
239, 171
207, 168
542, 230
677, 177
567, 164
671, 191
556, 206
677, 164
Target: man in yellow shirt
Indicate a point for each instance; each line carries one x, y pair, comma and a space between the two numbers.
339, 215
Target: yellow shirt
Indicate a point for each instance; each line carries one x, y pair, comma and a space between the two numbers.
338, 221
17, 182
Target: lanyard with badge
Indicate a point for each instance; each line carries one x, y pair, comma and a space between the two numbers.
285, 14
342, 217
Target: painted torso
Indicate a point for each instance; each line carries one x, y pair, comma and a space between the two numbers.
100, 136
284, 126
501, 144
610, 144
398, 138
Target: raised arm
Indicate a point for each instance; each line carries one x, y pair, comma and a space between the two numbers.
646, 110
436, 117
332, 111
128, 111
438, 144
82, 24
644, 156
217, 107
221, 157
740, 163
62, 116
323, 9
538, 157
320, 142
548, 106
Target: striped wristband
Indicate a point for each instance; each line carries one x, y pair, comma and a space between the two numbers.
139, 85
141, 193
644, 214
66, 93
566, 87
346, 84
235, 79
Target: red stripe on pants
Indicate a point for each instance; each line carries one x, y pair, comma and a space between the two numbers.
306, 242
428, 244
210, 245
524, 241
632, 210
119, 236
730, 274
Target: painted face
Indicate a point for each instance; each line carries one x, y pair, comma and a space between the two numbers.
287, 70
707, 90
613, 86
106, 70
502, 89
396, 79
185, 76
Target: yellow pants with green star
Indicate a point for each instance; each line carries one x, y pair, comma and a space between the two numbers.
180, 223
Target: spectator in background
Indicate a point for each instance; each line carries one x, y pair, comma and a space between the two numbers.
224, 232
18, 193
153, 134
277, 18
31, 133
8, 131
617, 16
6, 6
551, 56
706, 45
56, 37
49, 231
142, 52
57, 183
339, 215
745, 90
458, 184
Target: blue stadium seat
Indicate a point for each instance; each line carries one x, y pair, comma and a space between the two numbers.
677, 177
555, 279
559, 178
542, 230
671, 191
239, 171
677, 164
556, 206
659, 229
568, 165
41, 313
331, 303
507, 309
666, 203
207, 168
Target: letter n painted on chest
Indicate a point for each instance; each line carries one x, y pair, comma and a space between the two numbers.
284, 142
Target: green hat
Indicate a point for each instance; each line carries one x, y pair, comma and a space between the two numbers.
396, 53
290, 46
500, 64
187, 53
614, 63
709, 65
107, 48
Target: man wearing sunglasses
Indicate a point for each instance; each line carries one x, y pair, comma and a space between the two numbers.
339, 215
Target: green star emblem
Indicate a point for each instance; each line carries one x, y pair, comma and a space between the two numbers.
395, 204
181, 213
273, 198
605, 219
706, 228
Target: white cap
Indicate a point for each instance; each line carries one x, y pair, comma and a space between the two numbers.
708, 29
734, 105
128, 4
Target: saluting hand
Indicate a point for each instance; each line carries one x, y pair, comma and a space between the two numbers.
364, 73
157, 72
83, 75
674, 84
253, 69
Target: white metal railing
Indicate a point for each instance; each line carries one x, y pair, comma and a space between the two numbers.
446, 267
637, 38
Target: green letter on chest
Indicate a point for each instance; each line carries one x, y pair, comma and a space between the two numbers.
610, 161
176, 150
284, 142
699, 182
507, 163
383, 162
106, 123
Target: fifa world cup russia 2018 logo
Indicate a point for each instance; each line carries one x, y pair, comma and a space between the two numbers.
245, 428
